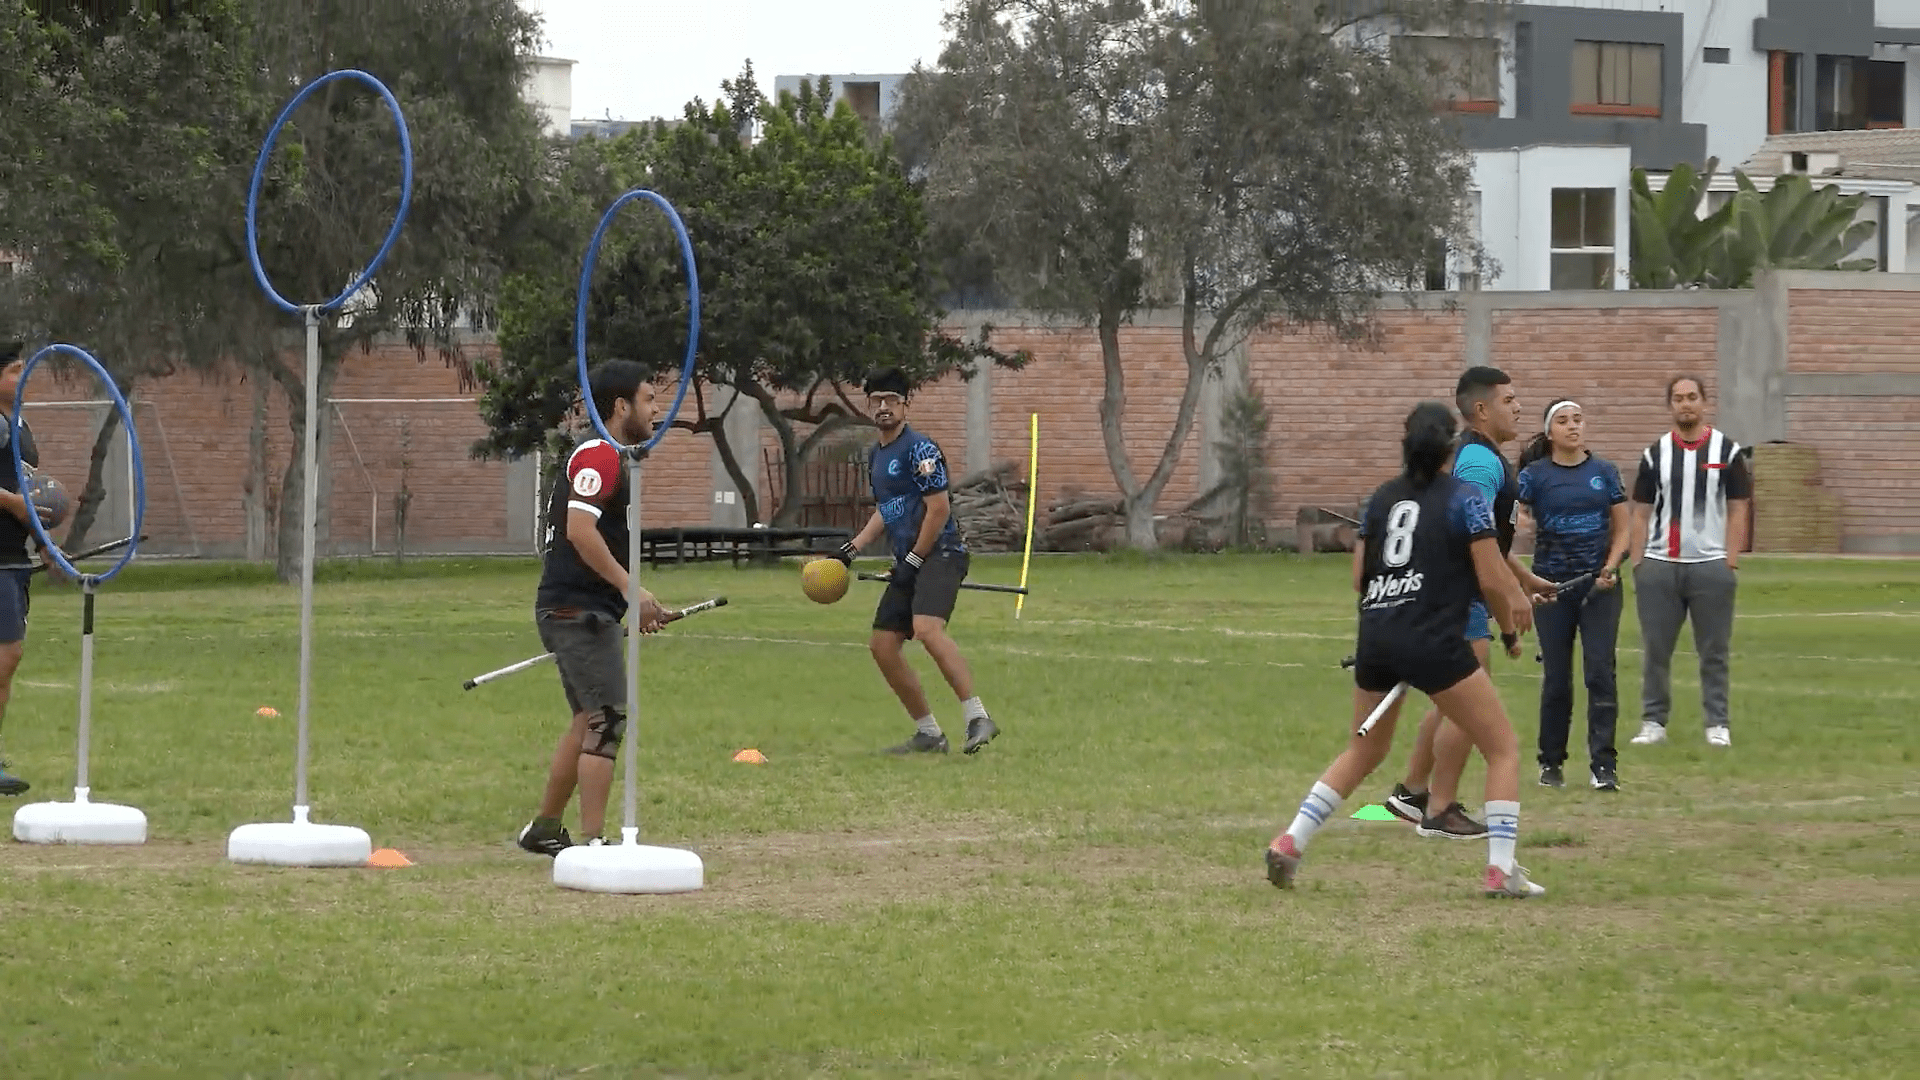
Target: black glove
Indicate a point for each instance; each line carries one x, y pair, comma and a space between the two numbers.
846, 553
904, 569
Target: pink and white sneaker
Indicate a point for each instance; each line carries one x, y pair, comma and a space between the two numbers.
1283, 861
1512, 884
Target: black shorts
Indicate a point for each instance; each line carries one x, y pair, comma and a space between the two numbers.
1429, 665
15, 599
586, 647
935, 590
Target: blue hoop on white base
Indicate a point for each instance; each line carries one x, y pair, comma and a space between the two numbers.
260, 172
693, 317
47, 546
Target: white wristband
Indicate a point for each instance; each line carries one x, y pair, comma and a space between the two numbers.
913, 559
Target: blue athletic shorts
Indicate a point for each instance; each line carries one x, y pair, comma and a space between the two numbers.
1479, 628
13, 605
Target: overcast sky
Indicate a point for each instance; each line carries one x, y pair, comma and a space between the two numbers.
638, 59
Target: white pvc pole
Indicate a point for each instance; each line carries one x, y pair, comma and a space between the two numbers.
81, 783
630, 834
310, 499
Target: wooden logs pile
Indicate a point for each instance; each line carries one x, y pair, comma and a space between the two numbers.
990, 507
1079, 522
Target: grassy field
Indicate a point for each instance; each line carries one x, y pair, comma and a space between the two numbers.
1084, 897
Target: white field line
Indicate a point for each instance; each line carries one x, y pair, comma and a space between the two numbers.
1044, 654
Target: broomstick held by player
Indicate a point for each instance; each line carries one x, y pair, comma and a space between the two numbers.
1427, 545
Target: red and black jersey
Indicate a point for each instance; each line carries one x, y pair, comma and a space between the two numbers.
594, 482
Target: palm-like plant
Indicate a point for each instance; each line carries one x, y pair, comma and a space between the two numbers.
1791, 226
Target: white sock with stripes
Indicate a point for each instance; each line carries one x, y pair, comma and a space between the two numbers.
1315, 809
1503, 833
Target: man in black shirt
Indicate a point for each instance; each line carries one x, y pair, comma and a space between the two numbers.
580, 601
15, 569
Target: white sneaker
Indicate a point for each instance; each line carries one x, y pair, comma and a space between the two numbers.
1513, 884
1719, 736
1651, 733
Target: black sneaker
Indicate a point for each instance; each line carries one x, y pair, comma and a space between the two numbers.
921, 743
1604, 779
1406, 805
1453, 824
548, 840
1551, 776
11, 784
980, 732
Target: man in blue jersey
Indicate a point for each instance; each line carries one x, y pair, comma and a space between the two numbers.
909, 477
1490, 411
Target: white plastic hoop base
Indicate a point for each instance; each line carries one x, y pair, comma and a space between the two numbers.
79, 822
628, 867
299, 843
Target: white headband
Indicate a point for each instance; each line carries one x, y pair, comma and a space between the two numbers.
1557, 406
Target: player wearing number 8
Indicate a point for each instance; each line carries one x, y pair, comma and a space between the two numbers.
1428, 550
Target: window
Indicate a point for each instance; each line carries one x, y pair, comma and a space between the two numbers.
1783, 92
1582, 240
863, 98
1463, 72
1886, 94
1614, 78
1719, 56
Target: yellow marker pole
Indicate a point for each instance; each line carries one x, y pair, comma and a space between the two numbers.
1033, 495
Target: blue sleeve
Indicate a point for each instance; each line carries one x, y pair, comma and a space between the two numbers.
1472, 515
929, 467
1478, 466
1526, 486
1616, 491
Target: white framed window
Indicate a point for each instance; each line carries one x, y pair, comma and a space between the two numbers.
1582, 243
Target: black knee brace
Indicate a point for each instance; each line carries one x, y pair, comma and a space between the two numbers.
604, 733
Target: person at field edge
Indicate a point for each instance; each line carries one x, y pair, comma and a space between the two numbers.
1581, 526
1690, 503
1428, 550
15, 570
1490, 411
930, 560
579, 604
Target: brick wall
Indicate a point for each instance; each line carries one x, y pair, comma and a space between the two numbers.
1336, 412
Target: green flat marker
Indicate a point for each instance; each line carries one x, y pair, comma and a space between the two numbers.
1376, 812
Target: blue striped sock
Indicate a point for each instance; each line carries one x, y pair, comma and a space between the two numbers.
1315, 809
1503, 833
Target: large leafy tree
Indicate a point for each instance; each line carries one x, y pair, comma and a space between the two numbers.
129, 114
1239, 162
809, 245
333, 183
1793, 225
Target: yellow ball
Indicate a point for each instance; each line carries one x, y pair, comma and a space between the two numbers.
824, 580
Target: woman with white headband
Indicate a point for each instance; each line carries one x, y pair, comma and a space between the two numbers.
1581, 524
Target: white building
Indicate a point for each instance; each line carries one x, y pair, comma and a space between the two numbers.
872, 97
549, 87
1564, 99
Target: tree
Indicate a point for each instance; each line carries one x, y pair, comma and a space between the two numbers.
1791, 226
809, 244
1243, 162
134, 124
333, 184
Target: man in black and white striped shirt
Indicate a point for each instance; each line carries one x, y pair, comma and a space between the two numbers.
1690, 503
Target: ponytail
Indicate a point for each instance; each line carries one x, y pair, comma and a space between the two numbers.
1428, 442
1540, 446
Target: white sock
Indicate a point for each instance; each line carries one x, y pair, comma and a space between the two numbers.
927, 725
1503, 833
971, 709
1315, 809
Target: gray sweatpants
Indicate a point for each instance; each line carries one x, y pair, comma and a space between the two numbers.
1666, 595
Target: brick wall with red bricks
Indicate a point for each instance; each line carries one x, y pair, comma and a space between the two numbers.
1335, 419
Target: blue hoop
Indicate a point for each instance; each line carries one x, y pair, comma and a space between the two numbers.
48, 547
693, 316
260, 172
